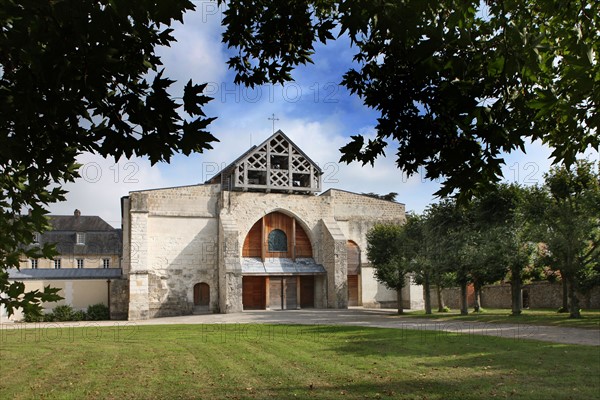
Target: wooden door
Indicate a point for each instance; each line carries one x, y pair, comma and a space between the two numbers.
307, 291
282, 293
201, 294
291, 292
353, 290
253, 292
275, 288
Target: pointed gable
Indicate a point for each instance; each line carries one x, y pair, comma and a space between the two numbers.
275, 165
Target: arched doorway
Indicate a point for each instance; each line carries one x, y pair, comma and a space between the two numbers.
201, 295
278, 269
353, 263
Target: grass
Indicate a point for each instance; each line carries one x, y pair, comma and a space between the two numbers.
590, 318
281, 362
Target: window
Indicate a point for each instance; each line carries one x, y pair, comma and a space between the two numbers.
80, 263
57, 263
36, 238
106, 263
277, 240
34, 263
80, 238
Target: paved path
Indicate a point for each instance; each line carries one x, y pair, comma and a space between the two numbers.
382, 318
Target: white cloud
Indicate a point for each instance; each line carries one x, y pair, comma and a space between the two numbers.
102, 184
317, 126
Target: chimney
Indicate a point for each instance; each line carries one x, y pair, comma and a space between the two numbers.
77, 213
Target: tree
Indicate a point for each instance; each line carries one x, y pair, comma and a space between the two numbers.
447, 224
456, 83
81, 76
506, 219
418, 250
389, 257
572, 223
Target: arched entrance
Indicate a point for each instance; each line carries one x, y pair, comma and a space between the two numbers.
201, 295
353, 262
277, 265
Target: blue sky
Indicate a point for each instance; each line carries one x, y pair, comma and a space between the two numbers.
315, 111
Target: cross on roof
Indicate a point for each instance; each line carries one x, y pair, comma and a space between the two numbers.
273, 119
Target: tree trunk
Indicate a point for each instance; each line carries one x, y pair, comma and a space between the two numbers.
399, 296
573, 300
464, 307
515, 292
427, 290
565, 295
477, 295
440, 298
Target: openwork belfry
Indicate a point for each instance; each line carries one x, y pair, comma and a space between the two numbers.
275, 165
254, 236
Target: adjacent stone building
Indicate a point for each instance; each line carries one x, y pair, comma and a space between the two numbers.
255, 236
89, 260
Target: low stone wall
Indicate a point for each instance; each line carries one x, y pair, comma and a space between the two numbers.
535, 295
496, 296
451, 297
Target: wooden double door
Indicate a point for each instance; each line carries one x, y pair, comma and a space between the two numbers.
278, 292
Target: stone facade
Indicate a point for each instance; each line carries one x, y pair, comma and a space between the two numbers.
176, 238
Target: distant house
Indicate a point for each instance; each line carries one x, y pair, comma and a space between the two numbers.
89, 258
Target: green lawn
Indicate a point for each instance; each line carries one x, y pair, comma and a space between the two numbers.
283, 362
590, 318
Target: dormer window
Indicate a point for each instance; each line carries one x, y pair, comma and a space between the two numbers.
80, 238
36, 238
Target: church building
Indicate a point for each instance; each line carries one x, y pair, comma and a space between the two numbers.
256, 236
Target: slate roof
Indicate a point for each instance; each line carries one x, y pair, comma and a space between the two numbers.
65, 273
82, 223
281, 266
100, 237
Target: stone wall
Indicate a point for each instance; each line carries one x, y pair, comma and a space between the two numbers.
535, 295
230, 269
496, 296
178, 237
173, 245
356, 214
333, 245
451, 298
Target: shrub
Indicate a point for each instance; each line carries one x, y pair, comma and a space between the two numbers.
97, 312
63, 313
58, 314
33, 316
446, 309
79, 315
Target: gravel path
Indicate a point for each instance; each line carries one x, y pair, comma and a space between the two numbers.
382, 318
